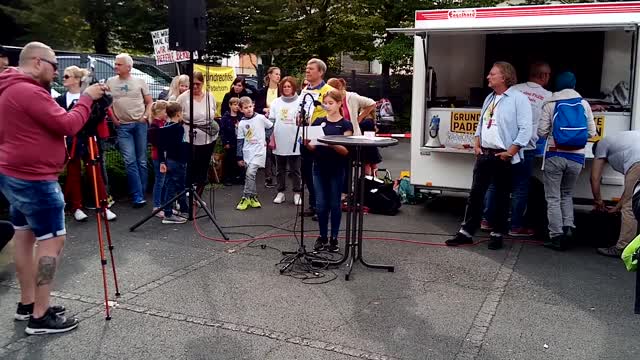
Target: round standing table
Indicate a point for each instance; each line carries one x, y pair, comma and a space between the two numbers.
355, 196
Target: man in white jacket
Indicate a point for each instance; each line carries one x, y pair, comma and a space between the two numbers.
561, 166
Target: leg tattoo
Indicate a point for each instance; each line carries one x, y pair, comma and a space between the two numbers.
46, 270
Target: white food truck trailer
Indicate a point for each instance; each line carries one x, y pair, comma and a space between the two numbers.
454, 50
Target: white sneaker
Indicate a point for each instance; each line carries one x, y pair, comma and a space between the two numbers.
297, 199
79, 215
279, 198
110, 215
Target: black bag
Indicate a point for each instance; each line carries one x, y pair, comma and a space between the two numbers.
380, 198
6, 233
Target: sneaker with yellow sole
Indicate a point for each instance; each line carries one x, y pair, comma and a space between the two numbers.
243, 204
254, 202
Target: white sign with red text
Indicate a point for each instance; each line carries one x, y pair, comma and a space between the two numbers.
161, 49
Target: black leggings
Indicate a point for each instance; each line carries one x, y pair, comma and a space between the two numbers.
199, 169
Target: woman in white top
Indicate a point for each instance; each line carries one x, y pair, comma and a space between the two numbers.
283, 112
179, 84
205, 130
354, 107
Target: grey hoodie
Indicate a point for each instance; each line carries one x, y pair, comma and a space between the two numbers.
545, 127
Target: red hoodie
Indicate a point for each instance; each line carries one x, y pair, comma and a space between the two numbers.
33, 126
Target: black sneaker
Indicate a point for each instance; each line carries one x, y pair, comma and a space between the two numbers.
459, 239
495, 242
314, 217
268, 183
333, 245
556, 243
50, 323
138, 205
309, 212
320, 244
23, 313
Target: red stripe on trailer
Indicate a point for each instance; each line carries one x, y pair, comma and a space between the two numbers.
514, 11
402, 136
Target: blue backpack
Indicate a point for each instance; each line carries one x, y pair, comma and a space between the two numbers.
570, 124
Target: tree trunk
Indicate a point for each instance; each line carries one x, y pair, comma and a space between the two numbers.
386, 83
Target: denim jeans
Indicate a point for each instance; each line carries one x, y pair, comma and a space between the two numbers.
560, 177
521, 176
328, 184
175, 183
159, 186
250, 180
36, 205
132, 140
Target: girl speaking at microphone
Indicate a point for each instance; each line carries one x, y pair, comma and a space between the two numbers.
329, 170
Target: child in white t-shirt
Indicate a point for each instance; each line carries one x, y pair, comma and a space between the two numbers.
252, 150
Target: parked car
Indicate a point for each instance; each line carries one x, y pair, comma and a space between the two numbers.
103, 69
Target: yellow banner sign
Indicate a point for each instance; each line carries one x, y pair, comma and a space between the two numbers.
464, 122
599, 120
217, 80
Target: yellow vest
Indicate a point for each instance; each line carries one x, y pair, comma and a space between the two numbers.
321, 91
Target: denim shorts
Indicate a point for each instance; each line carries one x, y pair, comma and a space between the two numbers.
36, 205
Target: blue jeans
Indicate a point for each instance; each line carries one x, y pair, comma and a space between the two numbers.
36, 205
132, 140
520, 175
174, 183
158, 186
328, 183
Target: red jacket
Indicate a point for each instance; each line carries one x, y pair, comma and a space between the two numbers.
33, 126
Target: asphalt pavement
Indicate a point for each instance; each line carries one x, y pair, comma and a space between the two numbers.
188, 295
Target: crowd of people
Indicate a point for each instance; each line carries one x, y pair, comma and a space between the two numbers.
515, 118
257, 130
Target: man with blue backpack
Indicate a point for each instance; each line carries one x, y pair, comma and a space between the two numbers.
567, 123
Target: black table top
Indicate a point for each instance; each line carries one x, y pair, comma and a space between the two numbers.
355, 142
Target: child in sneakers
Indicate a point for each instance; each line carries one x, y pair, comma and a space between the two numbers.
173, 155
159, 113
229, 136
253, 131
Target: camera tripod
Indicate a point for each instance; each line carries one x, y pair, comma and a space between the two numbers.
93, 167
189, 190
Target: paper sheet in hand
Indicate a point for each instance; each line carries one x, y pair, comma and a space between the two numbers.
313, 133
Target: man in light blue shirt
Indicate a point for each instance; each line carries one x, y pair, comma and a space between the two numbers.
503, 132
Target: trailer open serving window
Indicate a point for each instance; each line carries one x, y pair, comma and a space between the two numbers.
455, 49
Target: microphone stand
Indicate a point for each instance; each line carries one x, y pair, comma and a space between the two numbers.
291, 257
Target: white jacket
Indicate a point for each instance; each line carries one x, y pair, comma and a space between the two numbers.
356, 103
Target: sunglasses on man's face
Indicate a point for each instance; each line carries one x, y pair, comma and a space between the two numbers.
52, 63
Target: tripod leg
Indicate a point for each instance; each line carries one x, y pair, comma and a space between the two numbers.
111, 247
209, 214
103, 261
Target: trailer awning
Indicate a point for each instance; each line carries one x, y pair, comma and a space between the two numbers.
525, 29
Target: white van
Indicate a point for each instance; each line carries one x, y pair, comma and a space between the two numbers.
454, 50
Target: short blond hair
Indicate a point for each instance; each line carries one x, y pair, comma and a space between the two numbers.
322, 66
31, 50
234, 101
245, 100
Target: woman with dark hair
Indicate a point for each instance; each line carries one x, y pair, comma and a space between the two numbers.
238, 89
205, 130
283, 113
264, 98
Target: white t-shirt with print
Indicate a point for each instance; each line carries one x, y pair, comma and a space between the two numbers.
283, 114
490, 135
537, 97
71, 98
252, 131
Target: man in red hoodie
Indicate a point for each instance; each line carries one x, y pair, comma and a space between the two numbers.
32, 154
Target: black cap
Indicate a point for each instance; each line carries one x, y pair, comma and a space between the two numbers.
3, 52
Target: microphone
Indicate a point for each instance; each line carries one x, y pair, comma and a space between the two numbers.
318, 103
